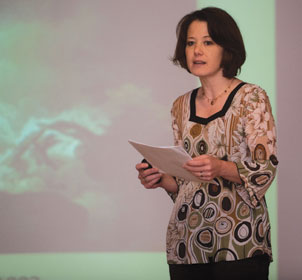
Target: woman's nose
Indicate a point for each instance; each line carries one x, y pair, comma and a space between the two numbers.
198, 49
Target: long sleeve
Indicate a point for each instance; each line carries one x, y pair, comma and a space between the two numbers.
177, 117
257, 133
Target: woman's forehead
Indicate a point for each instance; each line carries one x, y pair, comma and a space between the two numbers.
198, 28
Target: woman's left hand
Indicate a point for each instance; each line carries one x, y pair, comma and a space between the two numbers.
205, 167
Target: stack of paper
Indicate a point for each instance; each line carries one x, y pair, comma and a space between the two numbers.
169, 159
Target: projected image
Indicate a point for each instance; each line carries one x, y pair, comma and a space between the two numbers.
68, 106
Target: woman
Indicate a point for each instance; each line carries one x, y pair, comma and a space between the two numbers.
221, 230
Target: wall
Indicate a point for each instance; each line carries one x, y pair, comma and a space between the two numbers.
289, 100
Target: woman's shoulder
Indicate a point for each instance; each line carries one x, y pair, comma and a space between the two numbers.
183, 98
181, 105
253, 93
249, 87
254, 99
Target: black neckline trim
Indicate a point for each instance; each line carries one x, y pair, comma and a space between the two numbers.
219, 114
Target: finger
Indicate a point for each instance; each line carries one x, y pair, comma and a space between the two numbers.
197, 174
153, 184
201, 157
207, 178
156, 185
208, 175
149, 171
193, 168
148, 179
141, 178
141, 166
194, 163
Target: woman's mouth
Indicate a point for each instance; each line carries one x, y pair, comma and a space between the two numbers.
199, 62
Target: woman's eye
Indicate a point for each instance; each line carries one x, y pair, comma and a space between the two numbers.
208, 43
190, 43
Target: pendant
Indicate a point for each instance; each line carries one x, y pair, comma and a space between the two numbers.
212, 102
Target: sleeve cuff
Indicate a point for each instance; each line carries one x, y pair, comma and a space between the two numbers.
179, 182
243, 189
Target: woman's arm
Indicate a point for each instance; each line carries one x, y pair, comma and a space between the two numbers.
151, 178
257, 168
207, 168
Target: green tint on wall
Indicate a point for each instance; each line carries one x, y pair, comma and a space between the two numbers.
90, 266
256, 20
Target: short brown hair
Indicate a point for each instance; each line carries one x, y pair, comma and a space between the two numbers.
223, 30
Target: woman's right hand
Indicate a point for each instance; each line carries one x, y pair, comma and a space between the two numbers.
150, 178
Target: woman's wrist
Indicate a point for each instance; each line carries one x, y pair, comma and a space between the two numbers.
228, 170
168, 183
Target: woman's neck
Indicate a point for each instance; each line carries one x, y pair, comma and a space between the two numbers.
214, 86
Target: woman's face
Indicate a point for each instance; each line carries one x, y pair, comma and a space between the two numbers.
202, 53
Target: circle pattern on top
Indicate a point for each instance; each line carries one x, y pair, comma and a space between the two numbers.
259, 234
187, 145
227, 204
210, 212
225, 254
243, 232
274, 160
268, 238
205, 238
194, 220
181, 250
182, 212
195, 130
214, 189
202, 147
260, 179
252, 166
223, 225
260, 153
243, 211
255, 252
198, 199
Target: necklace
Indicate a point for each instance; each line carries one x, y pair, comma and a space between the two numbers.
212, 101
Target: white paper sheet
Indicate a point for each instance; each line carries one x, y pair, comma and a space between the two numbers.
169, 159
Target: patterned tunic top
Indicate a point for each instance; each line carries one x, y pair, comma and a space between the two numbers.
224, 221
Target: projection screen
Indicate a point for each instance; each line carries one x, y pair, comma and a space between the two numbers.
78, 79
